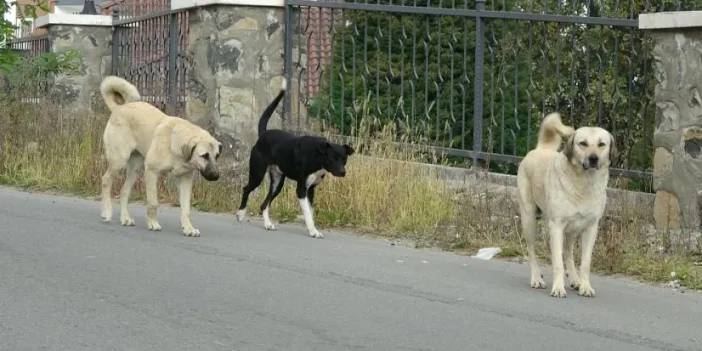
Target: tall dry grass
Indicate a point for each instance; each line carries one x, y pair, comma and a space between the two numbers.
386, 192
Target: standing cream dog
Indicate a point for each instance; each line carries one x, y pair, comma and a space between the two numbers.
569, 187
138, 133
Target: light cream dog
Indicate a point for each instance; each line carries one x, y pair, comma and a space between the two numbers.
569, 187
138, 133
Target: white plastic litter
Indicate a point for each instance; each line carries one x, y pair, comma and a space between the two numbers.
487, 253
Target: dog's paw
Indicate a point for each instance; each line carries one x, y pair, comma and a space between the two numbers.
270, 226
241, 215
106, 217
538, 282
586, 290
154, 226
558, 291
127, 221
316, 234
192, 232
574, 283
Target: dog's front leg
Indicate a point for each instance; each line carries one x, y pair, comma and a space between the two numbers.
307, 210
571, 271
184, 192
556, 228
588, 243
151, 180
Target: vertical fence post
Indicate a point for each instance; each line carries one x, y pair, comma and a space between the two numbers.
173, 40
115, 40
478, 83
288, 69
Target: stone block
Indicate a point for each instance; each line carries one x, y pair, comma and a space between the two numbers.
666, 211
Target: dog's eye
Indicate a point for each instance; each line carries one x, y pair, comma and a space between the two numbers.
583, 143
601, 144
206, 156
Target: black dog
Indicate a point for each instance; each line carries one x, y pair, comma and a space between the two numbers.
304, 159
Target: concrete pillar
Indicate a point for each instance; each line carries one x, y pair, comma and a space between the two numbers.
236, 48
91, 36
677, 39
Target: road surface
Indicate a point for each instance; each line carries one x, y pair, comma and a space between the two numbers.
70, 282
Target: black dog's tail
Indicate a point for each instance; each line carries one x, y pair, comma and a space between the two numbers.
268, 112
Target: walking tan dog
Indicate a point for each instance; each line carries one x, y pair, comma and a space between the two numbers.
138, 133
569, 187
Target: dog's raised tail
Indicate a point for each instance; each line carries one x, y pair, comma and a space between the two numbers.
268, 112
117, 91
552, 132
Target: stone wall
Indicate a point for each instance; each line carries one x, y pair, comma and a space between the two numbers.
237, 56
79, 91
678, 133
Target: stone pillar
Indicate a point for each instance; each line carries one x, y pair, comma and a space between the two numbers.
91, 36
237, 65
677, 38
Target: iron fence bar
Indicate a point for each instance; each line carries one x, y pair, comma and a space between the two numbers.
523, 16
115, 42
287, 68
173, 40
478, 82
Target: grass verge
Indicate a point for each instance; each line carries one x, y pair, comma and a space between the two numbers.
44, 148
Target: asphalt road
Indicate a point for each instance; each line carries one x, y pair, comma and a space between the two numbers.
70, 282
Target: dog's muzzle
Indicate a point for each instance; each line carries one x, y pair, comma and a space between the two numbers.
592, 162
210, 172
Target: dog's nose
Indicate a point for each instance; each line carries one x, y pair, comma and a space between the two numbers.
593, 159
343, 173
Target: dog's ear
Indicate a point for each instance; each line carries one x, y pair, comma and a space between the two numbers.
188, 151
349, 150
570, 144
612, 149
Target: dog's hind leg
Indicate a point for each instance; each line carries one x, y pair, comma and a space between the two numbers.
571, 271
257, 171
118, 150
116, 161
527, 215
277, 181
307, 209
107, 179
135, 161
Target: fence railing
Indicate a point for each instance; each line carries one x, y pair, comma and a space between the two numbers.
472, 79
31, 46
148, 51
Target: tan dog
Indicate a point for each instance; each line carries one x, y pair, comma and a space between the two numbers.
569, 187
138, 133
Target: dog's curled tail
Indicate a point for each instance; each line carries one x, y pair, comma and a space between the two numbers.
552, 132
117, 91
268, 112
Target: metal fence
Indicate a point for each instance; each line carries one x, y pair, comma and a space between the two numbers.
23, 84
31, 46
148, 51
472, 79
